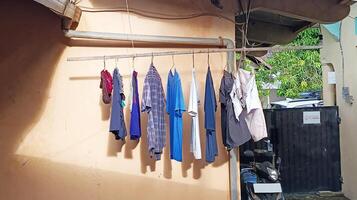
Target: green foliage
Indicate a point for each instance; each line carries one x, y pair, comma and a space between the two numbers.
297, 71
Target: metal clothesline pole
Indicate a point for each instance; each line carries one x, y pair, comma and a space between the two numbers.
200, 51
214, 44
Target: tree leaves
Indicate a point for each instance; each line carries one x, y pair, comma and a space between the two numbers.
295, 71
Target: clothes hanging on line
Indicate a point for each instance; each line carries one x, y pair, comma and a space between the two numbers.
153, 103
242, 116
117, 123
210, 108
195, 144
135, 122
235, 131
247, 103
175, 107
106, 84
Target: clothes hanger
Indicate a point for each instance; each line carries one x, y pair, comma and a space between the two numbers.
133, 63
104, 62
208, 58
193, 59
116, 62
226, 65
173, 65
152, 58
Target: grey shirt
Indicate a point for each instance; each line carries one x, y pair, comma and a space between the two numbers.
234, 132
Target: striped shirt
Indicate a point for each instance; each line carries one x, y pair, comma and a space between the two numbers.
153, 102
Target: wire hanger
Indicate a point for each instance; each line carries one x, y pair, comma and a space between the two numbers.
173, 68
152, 58
133, 63
208, 57
193, 59
104, 62
116, 62
226, 66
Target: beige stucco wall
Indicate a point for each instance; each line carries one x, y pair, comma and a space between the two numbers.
331, 54
54, 142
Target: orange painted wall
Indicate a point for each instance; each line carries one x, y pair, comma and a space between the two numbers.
54, 140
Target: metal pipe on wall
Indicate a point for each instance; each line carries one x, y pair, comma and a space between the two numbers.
187, 42
169, 41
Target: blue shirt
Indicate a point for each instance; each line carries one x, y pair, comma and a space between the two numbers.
135, 127
117, 123
175, 107
210, 107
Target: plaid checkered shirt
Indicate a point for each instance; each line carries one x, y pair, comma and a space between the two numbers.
153, 102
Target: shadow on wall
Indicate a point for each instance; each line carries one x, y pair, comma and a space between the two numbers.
31, 45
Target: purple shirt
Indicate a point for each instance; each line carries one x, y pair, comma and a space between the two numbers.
135, 128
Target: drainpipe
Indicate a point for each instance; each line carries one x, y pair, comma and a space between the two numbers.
174, 42
233, 168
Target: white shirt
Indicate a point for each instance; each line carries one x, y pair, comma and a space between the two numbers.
195, 145
245, 94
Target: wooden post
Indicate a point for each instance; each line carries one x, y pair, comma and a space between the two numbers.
69, 11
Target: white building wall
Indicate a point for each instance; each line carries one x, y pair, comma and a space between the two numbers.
346, 76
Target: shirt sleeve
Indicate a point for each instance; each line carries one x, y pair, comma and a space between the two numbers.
205, 104
252, 100
193, 107
146, 99
213, 94
168, 92
210, 97
131, 95
180, 102
197, 88
222, 97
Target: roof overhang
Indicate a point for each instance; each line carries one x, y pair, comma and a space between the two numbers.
271, 21
279, 21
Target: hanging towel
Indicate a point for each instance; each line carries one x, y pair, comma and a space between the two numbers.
195, 145
175, 107
106, 84
135, 127
210, 108
117, 123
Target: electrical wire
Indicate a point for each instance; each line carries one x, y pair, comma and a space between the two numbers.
342, 56
129, 21
155, 15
